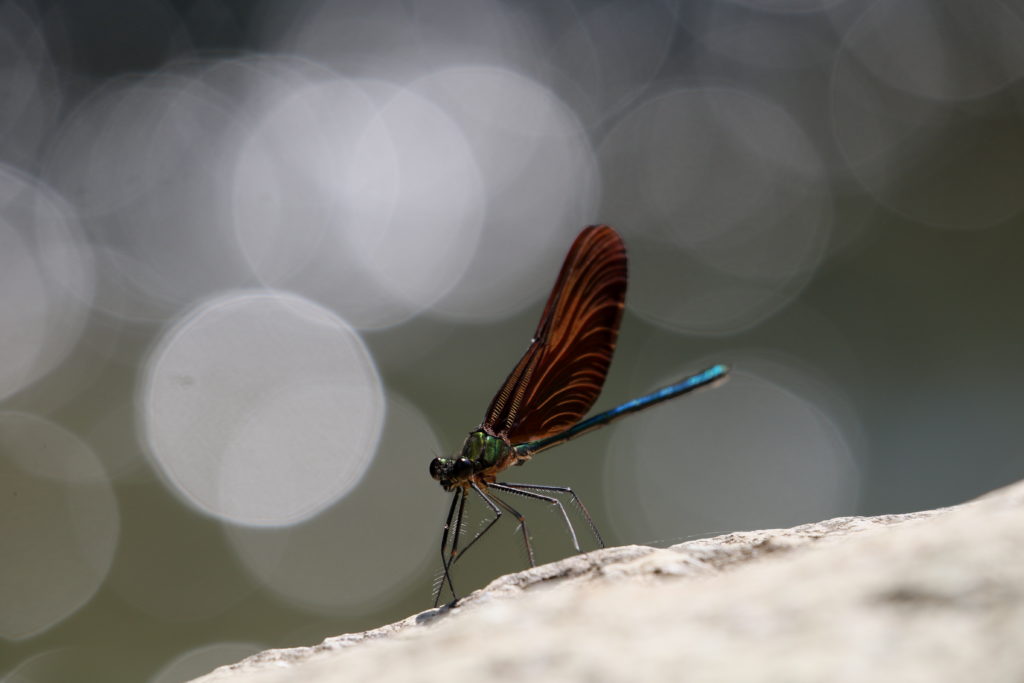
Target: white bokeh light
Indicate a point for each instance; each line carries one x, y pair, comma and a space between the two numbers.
766, 36
604, 55
32, 93
261, 408
751, 454
720, 194
358, 194
419, 213
538, 172
143, 161
59, 523
941, 49
332, 564
938, 162
395, 40
47, 273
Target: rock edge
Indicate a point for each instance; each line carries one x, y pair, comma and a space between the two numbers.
806, 593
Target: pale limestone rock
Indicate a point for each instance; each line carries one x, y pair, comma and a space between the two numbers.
932, 596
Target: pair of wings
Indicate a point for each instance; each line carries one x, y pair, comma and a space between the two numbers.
562, 372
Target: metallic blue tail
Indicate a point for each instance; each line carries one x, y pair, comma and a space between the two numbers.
703, 378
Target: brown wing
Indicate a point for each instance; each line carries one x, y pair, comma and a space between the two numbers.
560, 376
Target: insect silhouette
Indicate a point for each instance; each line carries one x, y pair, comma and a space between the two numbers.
542, 401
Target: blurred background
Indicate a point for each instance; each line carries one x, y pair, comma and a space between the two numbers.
261, 261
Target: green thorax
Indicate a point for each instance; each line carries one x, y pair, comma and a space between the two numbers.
485, 449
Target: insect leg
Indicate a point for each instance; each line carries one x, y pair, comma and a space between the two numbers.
459, 498
497, 515
491, 500
520, 490
575, 498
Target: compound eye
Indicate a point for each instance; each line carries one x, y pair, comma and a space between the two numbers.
462, 469
437, 468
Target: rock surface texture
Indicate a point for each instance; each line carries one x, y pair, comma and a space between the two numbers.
930, 596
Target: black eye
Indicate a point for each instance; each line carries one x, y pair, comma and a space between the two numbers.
462, 469
437, 468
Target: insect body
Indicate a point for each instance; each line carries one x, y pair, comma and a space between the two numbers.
543, 399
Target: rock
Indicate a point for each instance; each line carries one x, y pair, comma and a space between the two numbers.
930, 596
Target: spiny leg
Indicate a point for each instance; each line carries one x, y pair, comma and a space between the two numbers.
575, 498
454, 550
518, 490
460, 499
497, 516
516, 514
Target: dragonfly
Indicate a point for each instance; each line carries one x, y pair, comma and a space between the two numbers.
541, 403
